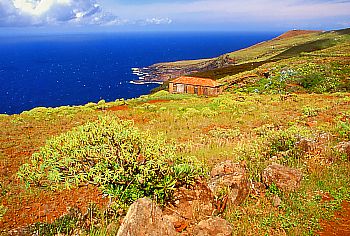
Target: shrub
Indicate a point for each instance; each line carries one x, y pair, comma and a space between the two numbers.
310, 111
343, 129
207, 112
114, 155
311, 80
3, 210
191, 112
224, 133
64, 225
284, 144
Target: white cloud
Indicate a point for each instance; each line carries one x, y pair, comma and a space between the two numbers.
192, 12
234, 11
158, 21
56, 12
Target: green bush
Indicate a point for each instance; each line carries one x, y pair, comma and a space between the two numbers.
224, 133
284, 144
310, 111
64, 225
343, 129
124, 162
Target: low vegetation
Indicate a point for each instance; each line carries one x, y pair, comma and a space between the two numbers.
125, 163
293, 111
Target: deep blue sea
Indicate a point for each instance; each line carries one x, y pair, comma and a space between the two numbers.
74, 69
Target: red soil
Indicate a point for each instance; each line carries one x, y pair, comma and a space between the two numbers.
125, 107
24, 207
339, 226
118, 108
158, 101
47, 206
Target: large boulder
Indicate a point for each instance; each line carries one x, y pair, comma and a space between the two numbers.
214, 226
145, 218
285, 178
230, 178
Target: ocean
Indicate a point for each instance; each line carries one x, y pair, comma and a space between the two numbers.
74, 69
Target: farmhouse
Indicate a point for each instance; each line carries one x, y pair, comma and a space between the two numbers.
195, 85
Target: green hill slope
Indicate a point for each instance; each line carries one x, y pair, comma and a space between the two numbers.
279, 49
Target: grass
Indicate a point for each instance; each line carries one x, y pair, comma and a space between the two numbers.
238, 127
304, 74
257, 120
275, 50
305, 48
229, 70
269, 49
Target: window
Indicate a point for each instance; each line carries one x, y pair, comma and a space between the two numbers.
180, 88
195, 89
205, 91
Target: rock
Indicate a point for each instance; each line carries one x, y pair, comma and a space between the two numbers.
230, 177
305, 144
276, 201
112, 228
344, 147
257, 188
179, 223
190, 206
214, 226
145, 218
285, 178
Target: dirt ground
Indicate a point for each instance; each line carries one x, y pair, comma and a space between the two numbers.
340, 225
47, 206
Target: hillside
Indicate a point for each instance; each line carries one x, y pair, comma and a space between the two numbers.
288, 45
75, 170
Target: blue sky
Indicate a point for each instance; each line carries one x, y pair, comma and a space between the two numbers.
247, 15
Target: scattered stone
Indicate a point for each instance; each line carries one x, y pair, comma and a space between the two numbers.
276, 201
214, 226
285, 178
344, 147
230, 177
145, 218
305, 144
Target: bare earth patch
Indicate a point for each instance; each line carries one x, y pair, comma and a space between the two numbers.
47, 206
339, 226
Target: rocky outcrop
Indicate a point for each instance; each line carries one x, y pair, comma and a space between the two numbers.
190, 206
191, 211
168, 71
285, 178
214, 226
257, 188
232, 179
145, 218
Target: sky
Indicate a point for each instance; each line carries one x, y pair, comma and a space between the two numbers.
226, 15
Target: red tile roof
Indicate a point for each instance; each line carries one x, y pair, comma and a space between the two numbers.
196, 81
